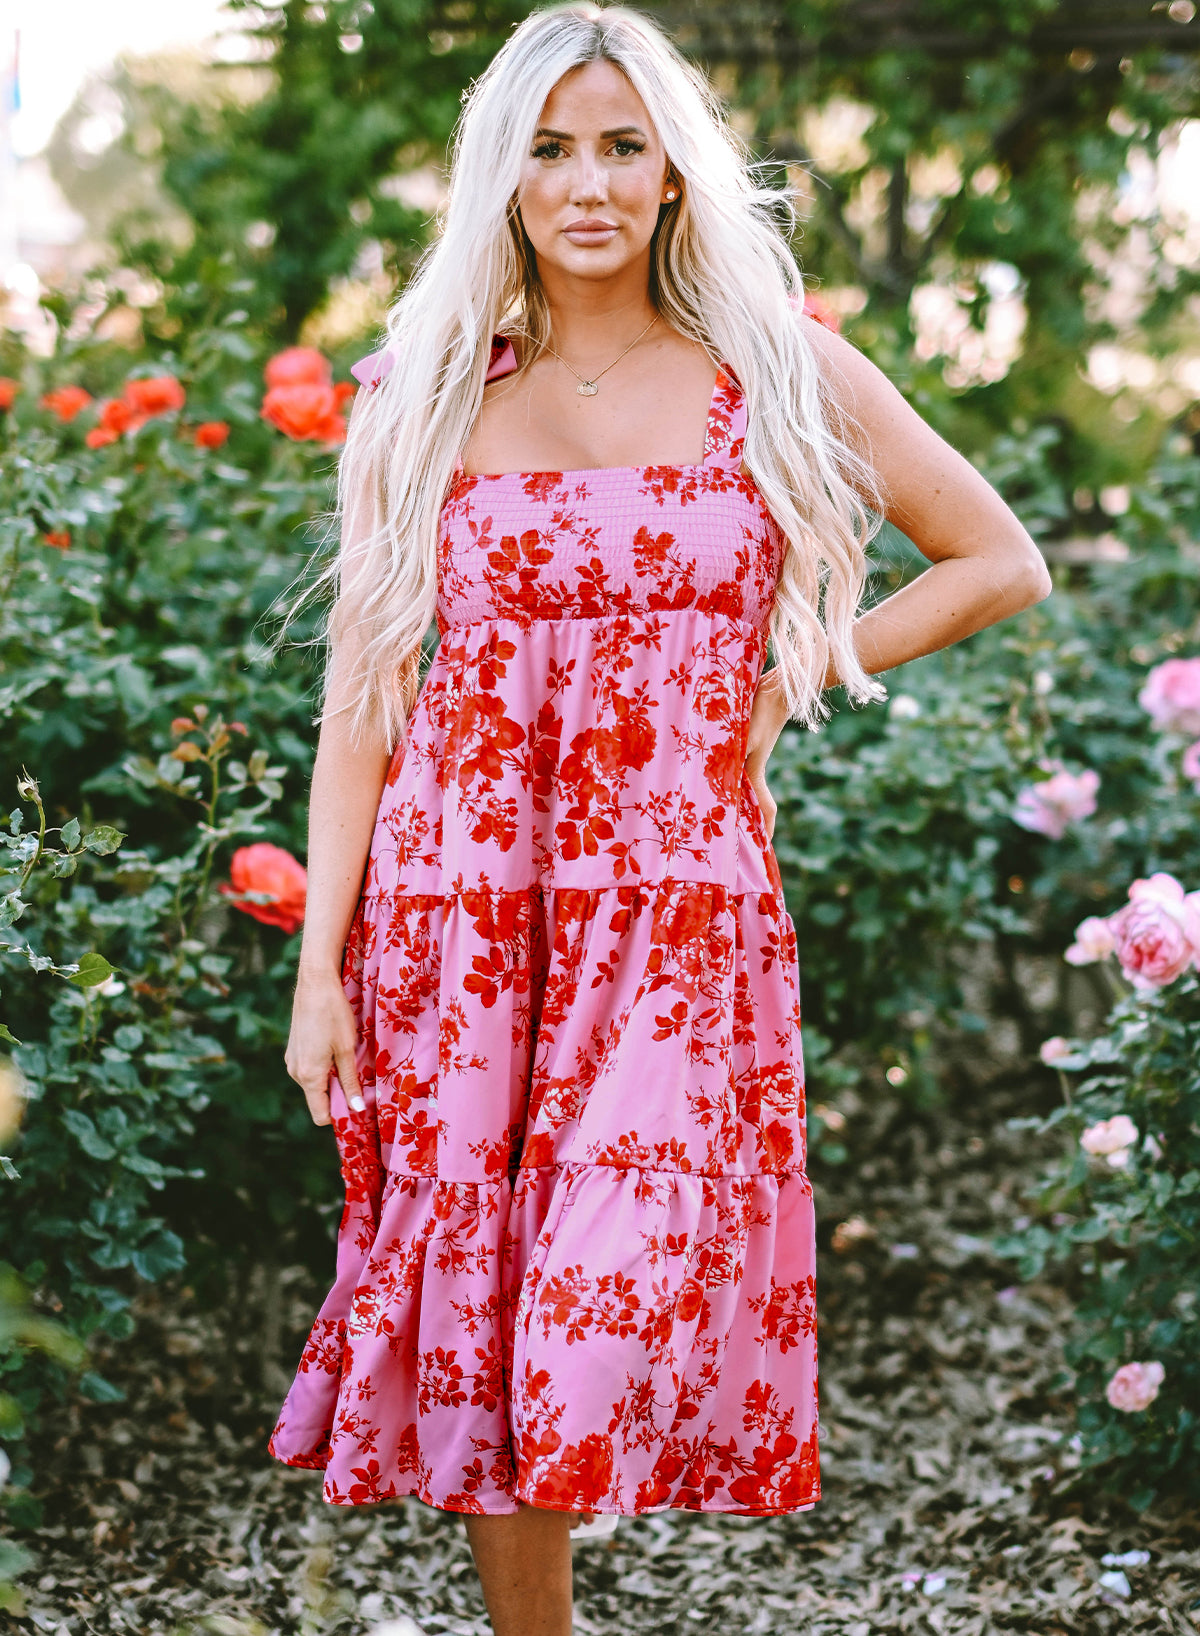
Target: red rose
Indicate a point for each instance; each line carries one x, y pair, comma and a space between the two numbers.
582, 1474
691, 1299
306, 412
211, 434
66, 401
638, 739
155, 396
539, 1151
723, 767
116, 416
298, 366
682, 920
8, 391
270, 870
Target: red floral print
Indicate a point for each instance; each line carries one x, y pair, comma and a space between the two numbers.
576, 1260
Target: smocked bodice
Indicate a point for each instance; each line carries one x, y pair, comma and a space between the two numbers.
617, 539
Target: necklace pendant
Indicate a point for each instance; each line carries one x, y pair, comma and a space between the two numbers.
587, 389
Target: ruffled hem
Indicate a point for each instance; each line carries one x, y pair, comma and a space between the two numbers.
586, 1337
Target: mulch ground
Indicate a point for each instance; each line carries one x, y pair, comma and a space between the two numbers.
951, 1496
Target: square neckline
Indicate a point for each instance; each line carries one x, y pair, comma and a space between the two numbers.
723, 379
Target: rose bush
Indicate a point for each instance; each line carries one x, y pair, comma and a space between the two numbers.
1129, 1226
137, 680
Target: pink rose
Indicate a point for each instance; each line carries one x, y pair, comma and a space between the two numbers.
1054, 1050
1156, 936
1191, 764
1135, 1386
1171, 695
1093, 941
1048, 806
273, 873
1110, 1139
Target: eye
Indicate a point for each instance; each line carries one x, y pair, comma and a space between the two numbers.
630, 145
547, 150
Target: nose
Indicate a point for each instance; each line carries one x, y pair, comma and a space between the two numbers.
589, 184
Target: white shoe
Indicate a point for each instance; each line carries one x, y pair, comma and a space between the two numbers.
602, 1526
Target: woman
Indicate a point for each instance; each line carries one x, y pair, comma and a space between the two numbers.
548, 990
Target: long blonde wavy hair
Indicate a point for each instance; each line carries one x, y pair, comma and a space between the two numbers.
722, 273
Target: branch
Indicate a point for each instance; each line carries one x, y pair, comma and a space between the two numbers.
790, 152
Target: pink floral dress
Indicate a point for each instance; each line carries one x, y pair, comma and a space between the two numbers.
576, 1263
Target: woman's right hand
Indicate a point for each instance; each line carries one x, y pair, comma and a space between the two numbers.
322, 1039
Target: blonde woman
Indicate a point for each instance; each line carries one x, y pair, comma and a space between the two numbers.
548, 992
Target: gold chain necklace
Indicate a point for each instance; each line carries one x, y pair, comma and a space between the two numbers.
588, 389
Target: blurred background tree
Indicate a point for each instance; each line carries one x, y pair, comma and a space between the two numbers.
978, 186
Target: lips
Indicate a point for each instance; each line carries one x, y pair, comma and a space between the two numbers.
589, 230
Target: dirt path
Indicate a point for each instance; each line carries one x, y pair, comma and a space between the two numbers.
946, 1452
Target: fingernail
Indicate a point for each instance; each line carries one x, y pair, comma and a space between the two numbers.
357, 1104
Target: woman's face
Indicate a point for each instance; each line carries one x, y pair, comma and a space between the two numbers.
592, 186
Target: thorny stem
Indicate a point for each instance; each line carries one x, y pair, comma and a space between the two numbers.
218, 737
216, 755
1120, 989
36, 797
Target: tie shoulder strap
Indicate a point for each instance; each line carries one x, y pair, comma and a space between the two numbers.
726, 422
372, 370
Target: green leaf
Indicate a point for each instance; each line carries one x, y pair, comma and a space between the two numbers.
9, 1039
162, 1254
100, 1390
14, 1560
93, 969
88, 1137
103, 839
69, 834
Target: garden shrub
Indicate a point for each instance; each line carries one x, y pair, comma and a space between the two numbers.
1121, 1205
1120, 1209
140, 549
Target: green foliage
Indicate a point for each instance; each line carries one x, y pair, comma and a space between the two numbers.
288, 187
137, 679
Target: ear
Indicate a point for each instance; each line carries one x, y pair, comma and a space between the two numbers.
672, 191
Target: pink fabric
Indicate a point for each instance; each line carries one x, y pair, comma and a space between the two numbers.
576, 1264
371, 370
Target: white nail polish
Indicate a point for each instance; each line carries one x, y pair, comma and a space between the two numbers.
357, 1104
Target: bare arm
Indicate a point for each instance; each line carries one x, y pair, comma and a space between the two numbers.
343, 802
985, 566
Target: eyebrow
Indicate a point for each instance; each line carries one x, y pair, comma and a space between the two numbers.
564, 136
